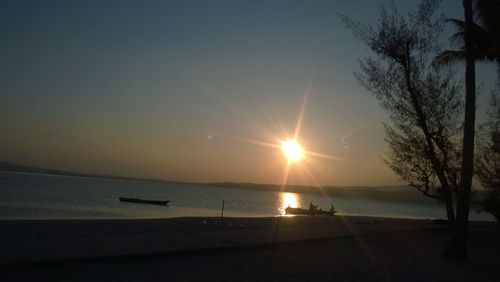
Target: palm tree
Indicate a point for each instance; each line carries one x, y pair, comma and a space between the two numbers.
485, 37
480, 41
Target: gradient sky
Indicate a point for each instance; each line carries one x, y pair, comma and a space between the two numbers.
171, 89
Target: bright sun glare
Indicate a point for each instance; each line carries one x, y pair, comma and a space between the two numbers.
292, 150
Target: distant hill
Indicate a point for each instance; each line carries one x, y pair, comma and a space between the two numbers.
6, 166
12, 167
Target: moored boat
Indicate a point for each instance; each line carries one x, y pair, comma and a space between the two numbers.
142, 201
313, 210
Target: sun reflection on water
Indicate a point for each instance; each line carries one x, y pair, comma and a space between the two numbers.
287, 199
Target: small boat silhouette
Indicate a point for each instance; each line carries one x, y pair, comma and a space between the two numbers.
142, 201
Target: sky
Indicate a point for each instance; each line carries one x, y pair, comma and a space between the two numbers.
187, 90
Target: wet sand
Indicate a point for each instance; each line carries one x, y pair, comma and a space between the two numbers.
242, 249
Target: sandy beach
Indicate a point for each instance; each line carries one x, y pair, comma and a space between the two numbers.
318, 248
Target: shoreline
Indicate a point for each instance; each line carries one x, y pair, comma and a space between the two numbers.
209, 218
242, 217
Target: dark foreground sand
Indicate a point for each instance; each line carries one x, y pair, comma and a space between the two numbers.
239, 249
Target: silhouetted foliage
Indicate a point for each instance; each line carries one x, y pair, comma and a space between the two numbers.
485, 36
488, 158
423, 101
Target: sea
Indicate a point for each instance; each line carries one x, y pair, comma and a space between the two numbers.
30, 196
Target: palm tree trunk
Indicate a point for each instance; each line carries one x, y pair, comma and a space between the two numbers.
458, 247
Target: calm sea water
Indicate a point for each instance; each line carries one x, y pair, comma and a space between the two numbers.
40, 196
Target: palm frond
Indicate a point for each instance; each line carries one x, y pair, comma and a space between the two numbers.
449, 57
481, 38
487, 14
459, 24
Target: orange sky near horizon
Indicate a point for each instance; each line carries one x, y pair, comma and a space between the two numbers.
190, 90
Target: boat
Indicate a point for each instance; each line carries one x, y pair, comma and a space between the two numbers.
313, 210
142, 201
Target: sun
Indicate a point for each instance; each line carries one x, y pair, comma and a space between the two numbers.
292, 150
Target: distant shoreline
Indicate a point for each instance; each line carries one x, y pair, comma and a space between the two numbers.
386, 193
15, 167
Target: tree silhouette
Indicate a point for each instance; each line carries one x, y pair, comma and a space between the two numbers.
423, 101
485, 38
488, 158
457, 249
